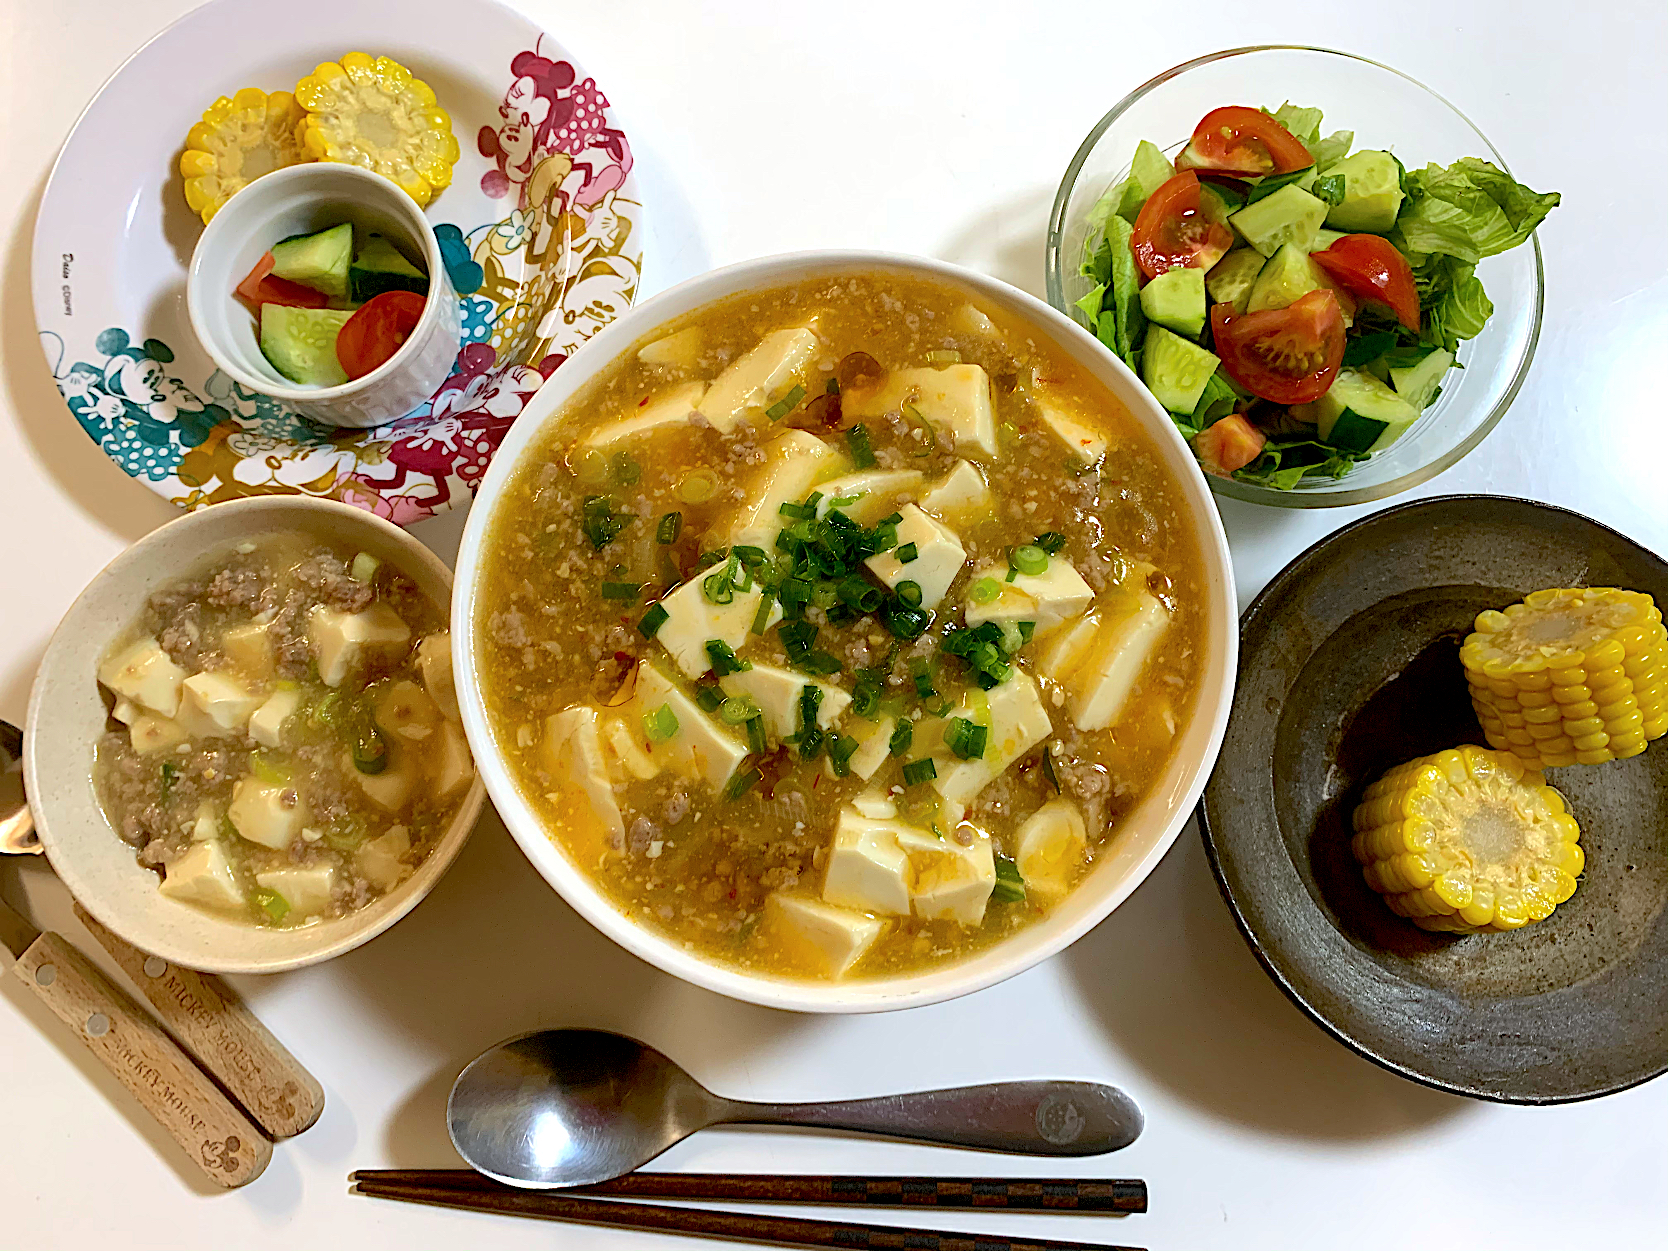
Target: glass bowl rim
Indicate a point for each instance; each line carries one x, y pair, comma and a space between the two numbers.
1250, 492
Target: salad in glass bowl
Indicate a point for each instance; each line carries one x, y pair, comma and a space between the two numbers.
1297, 302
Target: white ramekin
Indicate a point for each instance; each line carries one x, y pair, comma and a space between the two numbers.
67, 715
1147, 832
299, 200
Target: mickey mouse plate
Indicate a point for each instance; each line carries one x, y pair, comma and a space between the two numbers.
541, 229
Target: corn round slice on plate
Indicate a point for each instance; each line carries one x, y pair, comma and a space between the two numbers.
1350, 666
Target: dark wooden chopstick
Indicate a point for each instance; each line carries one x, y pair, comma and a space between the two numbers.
1011, 1194
700, 1222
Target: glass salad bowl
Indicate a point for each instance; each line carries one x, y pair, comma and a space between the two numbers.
1387, 110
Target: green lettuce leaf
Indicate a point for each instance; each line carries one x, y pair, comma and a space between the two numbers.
1097, 265
1304, 123
1469, 210
1452, 301
1129, 325
1332, 149
1090, 304
1286, 461
1216, 401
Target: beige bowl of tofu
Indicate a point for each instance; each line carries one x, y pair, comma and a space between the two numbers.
844, 631
244, 751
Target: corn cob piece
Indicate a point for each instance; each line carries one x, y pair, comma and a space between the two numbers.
1570, 676
238, 140
1468, 840
369, 111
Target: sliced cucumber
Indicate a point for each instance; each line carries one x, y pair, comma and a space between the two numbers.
1359, 413
1150, 169
1176, 299
301, 343
1290, 215
379, 267
319, 261
1230, 280
1418, 384
1288, 276
1175, 370
1325, 239
1372, 193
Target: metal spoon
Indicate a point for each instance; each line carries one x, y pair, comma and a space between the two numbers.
572, 1107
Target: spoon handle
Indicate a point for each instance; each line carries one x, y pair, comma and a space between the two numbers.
1027, 1118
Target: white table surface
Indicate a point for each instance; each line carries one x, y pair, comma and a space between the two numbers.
1261, 1131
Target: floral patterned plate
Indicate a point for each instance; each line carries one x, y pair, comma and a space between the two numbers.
541, 229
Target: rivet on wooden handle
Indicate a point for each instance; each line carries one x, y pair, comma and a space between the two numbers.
138, 1052
227, 1039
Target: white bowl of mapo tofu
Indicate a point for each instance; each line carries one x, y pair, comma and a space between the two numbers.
244, 748
844, 631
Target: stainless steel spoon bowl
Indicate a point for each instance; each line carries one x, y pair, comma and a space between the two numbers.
572, 1107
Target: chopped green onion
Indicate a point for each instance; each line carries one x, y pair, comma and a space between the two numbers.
741, 784
833, 387
840, 750
1051, 541
708, 695
944, 356
1012, 638
799, 512
370, 749
985, 590
903, 621
170, 774
737, 710
825, 594
652, 621
723, 657
268, 770
660, 724
697, 487
620, 590
1029, 560
1010, 886
891, 519
841, 501
903, 734
857, 443
918, 771
719, 588
966, 739
626, 470
670, 526
756, 736
1026, 630
859, 594
272, 903
1013, 572
597, 520
750, 556
865, 697
797, 636
909, 593
922, 679
786, 404
912, 415
1048, 767
364, 567
819, 661
795, 591
810, 742
761, 617
907, 553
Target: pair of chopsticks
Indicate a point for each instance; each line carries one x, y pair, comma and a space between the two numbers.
467, 1190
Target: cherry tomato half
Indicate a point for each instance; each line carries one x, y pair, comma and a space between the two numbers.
1228, 444
1244, 141
1373, 269
1287, 355
377, 330
1179, 227
260, 287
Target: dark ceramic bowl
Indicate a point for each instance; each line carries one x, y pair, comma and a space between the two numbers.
1349, 664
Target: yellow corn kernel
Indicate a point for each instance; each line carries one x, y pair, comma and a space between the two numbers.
239, 139
1467, 840
1568, 676
369, 111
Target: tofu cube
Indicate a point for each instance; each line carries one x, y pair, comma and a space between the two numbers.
151, 734
249, 647
206, 828
777, 692
961, 497
307, 889
821, 937
1050, 598
1130, 632
203, 876
213, 705
1017, 721
866, 868
878, 493
876, 805
673, 351
952, 881
450, 766
268, 814
691, 620
793, 463
671, 407
434, 663
1069, 648
874, 745
956, 400
142, 672
700, 748
398, 782
382, 859
1085, 443
627, 747
126, 711
405, 710
1050, 850
266, 723
340, 639
939, 557
572, 752
759, 378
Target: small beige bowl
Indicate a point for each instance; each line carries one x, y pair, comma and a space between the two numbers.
67, 715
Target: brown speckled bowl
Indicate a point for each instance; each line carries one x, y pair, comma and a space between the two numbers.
1349, 664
